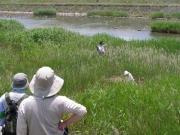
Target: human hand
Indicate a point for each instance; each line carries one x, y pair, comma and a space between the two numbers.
61, 125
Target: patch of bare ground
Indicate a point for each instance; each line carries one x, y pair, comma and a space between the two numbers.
113, 79
119, 79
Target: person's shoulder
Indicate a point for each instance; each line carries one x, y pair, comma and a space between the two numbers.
59, 97
63, 99
28, 98
3, 97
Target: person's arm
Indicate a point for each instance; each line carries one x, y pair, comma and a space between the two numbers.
77, 110
72, 119
21, 128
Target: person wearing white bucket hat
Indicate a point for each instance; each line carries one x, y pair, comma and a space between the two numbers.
128, 76
18, 93
41, 113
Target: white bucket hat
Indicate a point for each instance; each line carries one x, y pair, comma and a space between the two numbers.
126, 72
45, 83
20, 81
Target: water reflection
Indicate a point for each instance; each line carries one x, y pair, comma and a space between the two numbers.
125, 28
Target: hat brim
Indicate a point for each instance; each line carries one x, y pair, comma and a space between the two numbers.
46, 91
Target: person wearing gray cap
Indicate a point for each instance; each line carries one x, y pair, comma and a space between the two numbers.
19, 85
40, 114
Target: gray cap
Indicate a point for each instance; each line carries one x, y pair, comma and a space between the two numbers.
20, 81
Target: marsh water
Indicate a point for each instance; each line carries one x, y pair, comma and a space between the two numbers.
125, 28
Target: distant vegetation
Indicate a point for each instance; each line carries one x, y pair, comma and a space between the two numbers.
43, 12
165, 15
175, 15
165, 27
114, 107
107, 13
158, 15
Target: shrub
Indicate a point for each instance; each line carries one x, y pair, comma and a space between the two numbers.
10, 25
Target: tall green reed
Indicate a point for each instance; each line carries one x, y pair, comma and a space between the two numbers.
166, 27
45, 12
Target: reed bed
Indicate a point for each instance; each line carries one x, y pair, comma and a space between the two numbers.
166, 27
150, 107
44, 12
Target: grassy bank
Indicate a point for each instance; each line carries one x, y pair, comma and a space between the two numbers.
114, 107
138, 8
96, 1
157, 15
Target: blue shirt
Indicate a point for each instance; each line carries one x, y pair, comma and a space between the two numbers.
3, 107
2, 113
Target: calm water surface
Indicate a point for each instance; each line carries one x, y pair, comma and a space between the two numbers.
125, 28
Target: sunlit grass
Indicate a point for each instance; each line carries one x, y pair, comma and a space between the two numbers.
10, 25
150, 107
165, 27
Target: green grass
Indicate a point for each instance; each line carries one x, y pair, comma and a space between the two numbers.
175, 15
10, 25
172, 15
44, 12
158, 15
107, 13
165, 27
114, 107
